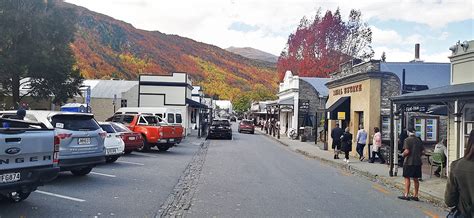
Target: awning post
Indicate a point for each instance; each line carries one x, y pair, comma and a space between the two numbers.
392, 138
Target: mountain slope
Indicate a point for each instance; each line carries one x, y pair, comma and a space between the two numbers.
253, 53
109, 48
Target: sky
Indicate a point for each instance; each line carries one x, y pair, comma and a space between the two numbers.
266, 24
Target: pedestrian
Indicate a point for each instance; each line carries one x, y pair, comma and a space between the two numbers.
459, 189
376, 145
346, 144
361, 140
413, 149
336, 134
441, 148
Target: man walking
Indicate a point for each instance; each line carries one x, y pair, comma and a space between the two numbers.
361, 140
336, 134
413, 149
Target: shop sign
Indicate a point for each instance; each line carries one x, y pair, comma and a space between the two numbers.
348, 89
286, 108
304, 106
341, 115
417, 108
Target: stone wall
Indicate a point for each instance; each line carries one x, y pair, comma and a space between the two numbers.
349, 68
391, 86
308, 92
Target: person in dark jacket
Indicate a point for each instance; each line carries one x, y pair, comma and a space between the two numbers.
346, 144
413, 149
336, 134
460, 187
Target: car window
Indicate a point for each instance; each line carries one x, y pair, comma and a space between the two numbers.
149, 120
108, 128
120, 127
127, 119
170, 118
75, 122
159, 115
221, 123
141, 120
179, 119
247, 122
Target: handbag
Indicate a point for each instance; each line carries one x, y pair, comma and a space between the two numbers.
455, 213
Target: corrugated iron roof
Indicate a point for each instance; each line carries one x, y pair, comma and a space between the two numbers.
420, 73
109, 88
318, 84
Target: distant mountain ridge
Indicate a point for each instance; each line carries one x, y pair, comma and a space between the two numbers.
253, 53
108, 48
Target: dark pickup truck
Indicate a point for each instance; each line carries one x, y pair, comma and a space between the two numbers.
28, 158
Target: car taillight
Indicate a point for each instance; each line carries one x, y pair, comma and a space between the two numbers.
103, 134
64, 135
57, 142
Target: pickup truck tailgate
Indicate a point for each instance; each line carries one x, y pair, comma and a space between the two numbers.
22, 149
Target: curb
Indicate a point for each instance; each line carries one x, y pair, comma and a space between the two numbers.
373, 177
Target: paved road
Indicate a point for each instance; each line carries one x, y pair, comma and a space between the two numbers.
253, 176
135, 186
249, 176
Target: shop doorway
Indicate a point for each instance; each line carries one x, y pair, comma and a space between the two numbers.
360, 118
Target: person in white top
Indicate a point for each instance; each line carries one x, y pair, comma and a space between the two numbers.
441, 148
361, 140
376, 144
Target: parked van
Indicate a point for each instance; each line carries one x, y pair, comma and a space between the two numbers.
170, 115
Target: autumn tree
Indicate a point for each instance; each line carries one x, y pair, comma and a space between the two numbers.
319, 46
35, 37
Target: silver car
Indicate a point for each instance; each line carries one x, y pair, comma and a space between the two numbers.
82, 139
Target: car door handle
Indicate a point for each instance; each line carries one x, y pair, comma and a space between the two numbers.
7, 140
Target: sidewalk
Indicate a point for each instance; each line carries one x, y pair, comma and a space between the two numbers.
431, 189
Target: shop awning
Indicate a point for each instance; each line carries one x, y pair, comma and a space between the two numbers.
194, 104
341, 107
437, 95
286, 101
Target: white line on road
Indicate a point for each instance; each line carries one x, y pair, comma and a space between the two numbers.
103, 174
59, 196
121, 161
146, 155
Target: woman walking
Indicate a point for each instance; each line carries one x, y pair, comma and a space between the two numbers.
459, 189
376, 144
346, 144
361, 140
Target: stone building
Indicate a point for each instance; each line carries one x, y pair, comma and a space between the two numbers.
301, 103
360, 92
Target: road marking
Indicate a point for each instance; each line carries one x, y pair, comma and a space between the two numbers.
59, 196
121, 161
103, 174
146, 155
431, 214
380, 189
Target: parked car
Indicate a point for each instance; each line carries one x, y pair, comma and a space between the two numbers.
233, 119
154, 132
114, 145
81, 138
28, 157
171, 116
220, 128
246, 126
132, 140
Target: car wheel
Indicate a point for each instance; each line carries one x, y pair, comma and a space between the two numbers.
16, 197
82, 172
229, 137
146, 146
163, 147
128, 151
111, 159
253, 132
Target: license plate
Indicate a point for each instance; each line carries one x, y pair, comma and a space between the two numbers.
131, 138
9, 177
111, 151
171, 140
84, 141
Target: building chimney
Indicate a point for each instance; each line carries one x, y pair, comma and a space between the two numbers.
417, 51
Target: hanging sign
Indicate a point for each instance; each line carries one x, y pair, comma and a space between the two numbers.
341, 115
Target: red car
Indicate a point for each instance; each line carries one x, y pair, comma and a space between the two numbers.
246, 126
133, 140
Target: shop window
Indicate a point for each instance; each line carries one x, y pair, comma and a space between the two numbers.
385, 128
426, 129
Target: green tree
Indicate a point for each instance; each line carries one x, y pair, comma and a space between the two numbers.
35, 38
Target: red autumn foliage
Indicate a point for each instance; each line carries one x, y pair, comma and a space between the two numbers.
318, 47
